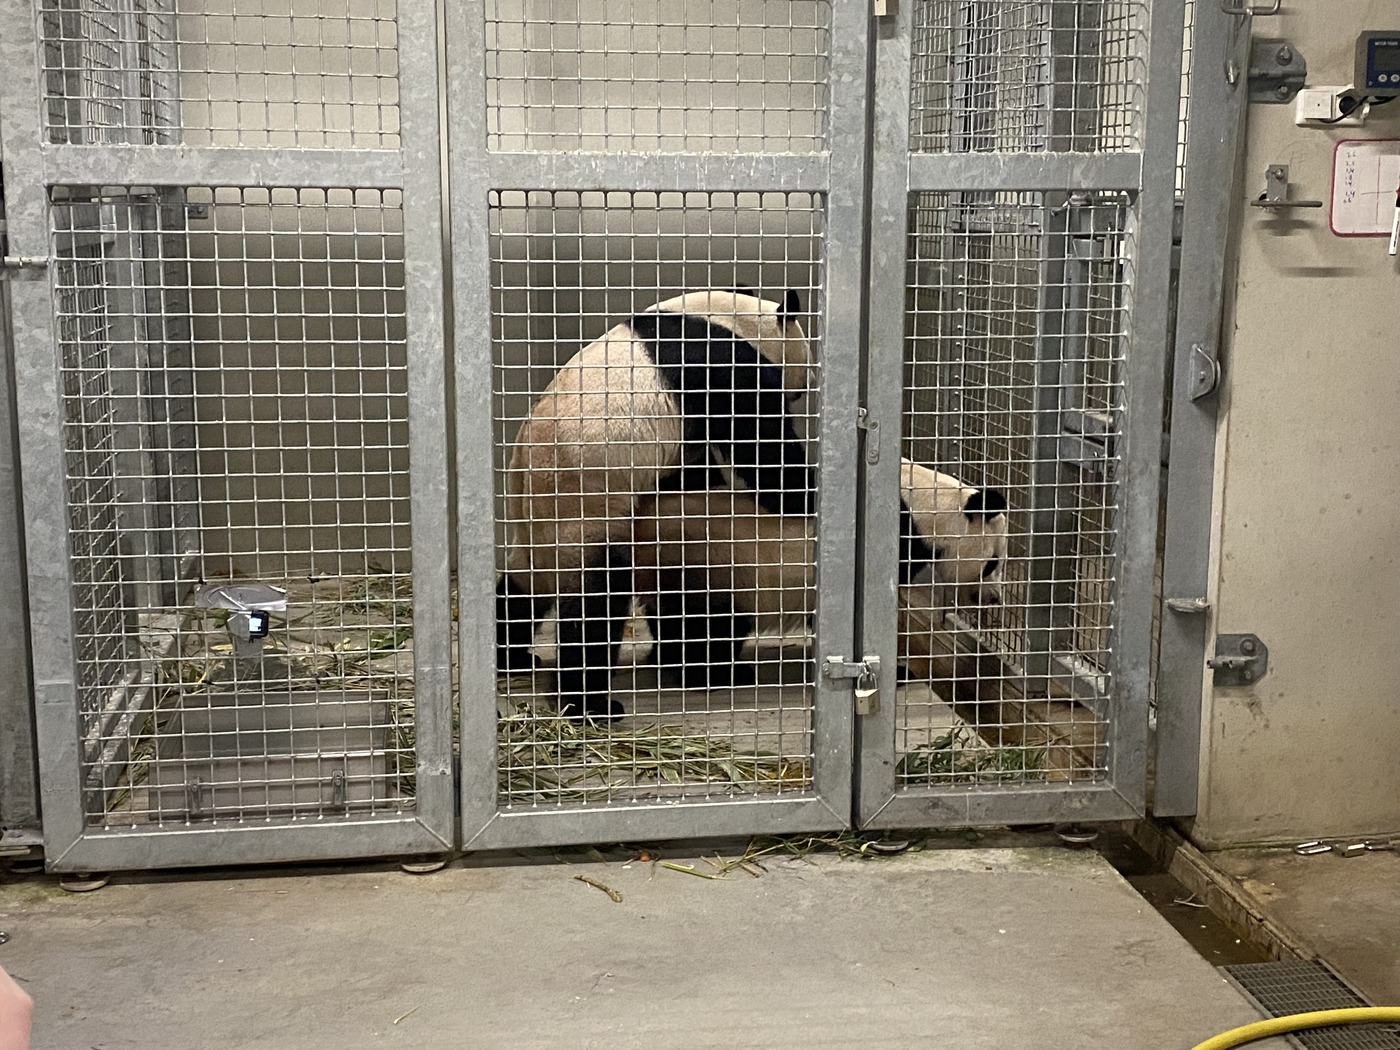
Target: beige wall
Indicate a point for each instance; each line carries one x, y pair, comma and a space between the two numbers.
1308, 490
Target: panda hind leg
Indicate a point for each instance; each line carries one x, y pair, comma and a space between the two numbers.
699, 637
591, 625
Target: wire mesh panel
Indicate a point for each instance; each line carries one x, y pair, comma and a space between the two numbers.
235, 401
238, 497
567, 268
657, 75
1032, 75
1031, 298
222, 72
986, 270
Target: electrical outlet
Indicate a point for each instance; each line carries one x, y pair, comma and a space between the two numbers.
1321, 107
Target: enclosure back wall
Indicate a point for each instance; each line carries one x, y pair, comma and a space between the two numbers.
239, 206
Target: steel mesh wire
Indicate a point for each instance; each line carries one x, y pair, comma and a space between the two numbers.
1026, 76
715, 76
223, 73
1010, 335
566, 267
235, 410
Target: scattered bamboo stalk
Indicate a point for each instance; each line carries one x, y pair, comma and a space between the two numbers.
613, 895
686, 869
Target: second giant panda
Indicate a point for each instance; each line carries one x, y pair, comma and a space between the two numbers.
713, 567
704, 376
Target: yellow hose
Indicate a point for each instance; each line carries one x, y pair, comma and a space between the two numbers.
1293, 1022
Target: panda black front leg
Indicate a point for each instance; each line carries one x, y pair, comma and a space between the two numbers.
516, 612
591, 625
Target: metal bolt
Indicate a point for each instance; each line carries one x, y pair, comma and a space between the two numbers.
1285, 55
1283, 91
1247, 646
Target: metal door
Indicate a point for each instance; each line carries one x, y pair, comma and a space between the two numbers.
224, 264
1022, 216
606, 157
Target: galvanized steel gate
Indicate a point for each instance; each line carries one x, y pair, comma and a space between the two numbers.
1022, 235
223, 231
228, 350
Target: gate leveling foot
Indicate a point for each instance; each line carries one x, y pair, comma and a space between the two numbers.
84, 882
424, 865
1076, 834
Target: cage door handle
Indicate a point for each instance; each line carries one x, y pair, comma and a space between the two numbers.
1251, 11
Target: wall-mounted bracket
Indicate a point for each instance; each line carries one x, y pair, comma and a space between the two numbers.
1277, 71
1240, 659
1275, 193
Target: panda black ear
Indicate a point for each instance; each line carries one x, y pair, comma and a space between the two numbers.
986, 504
792, 303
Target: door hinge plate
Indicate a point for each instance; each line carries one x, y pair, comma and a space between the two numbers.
1240, 659
866, 675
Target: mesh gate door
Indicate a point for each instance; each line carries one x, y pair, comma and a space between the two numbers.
230, 367
607, 158
1023, 185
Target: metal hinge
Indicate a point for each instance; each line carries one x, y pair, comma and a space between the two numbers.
1240, 659
1277, 71
1203, 372
872, 435
22, 262
867, 679
1188, 606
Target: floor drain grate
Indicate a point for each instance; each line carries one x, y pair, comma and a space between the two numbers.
1292, 987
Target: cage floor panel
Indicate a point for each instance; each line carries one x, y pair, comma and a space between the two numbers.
1297, 986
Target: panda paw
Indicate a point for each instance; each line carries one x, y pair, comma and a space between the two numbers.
512, 660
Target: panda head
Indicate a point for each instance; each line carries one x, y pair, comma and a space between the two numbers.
774, 328
952, 541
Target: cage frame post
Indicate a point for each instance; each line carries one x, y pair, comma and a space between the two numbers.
1214, 163
33, 165
1147, 175
19, 764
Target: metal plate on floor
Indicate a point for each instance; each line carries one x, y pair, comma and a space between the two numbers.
1295, 986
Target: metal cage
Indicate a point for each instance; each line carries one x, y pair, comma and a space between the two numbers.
241, 411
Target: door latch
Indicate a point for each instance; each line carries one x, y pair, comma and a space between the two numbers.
1240, 659
866, 674
872, 435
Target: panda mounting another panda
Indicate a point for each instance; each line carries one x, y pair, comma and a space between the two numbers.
706, 376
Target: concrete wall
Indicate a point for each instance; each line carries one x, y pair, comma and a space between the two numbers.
1308, 490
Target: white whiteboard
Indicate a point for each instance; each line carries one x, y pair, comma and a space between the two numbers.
1365, 177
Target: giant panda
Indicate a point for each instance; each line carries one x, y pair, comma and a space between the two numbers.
706, 376
713, 567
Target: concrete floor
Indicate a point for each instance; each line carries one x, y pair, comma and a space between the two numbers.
1343, 908
966, 949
